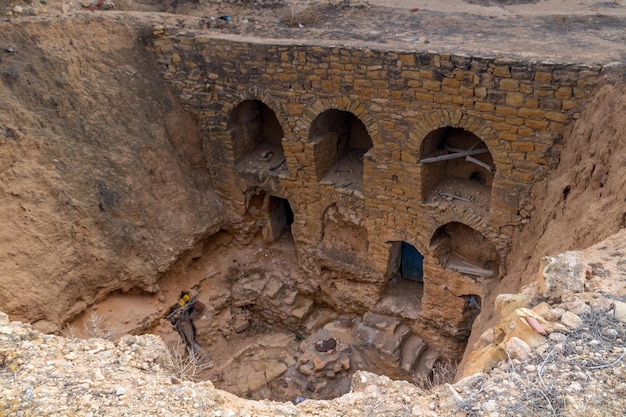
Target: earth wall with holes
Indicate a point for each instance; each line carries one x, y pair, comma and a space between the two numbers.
385, 166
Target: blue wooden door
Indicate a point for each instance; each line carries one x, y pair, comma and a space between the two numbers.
412, 263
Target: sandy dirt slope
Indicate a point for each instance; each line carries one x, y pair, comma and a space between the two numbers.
94, 154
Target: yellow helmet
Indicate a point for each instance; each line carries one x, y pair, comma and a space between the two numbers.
184, 299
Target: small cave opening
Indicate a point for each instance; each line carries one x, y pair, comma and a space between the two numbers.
340, 142
273, 214
463, 249
256, 136
456, 166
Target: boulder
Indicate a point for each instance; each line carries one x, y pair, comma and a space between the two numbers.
561, 274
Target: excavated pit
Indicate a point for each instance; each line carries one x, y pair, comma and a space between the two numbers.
119, 231
265, 333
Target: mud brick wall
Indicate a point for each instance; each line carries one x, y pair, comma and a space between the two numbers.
518, 109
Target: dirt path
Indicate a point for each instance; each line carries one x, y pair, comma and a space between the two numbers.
549, 30
585, 31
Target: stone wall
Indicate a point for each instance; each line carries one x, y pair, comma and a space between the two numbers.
517, 110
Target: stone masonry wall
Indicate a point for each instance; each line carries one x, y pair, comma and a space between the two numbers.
518, 109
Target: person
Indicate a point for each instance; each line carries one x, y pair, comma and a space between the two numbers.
181, 315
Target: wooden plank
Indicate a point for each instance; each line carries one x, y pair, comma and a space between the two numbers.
480, 163
469, 270
455, 197
455, 155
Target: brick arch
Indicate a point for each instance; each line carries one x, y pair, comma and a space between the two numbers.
260, 94
310, 113
437, 119
474, 222
274, 119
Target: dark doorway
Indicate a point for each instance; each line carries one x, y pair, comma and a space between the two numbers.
280, 218
411, 263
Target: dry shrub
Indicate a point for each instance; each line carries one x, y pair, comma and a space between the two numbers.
188, 366
443, 373
301, 14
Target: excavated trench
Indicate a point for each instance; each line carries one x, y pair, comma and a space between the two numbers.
264, 333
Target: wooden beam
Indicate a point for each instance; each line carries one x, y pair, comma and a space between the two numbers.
453, 155
480, 163
455, 197
469, 270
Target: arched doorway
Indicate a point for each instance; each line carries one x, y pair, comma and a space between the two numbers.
340, 141
256, 136
405, 287
456, 164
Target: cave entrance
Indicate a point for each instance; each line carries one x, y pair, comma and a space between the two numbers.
457, 165
462, 249
256, 137
340, 141
273, 213
280, 218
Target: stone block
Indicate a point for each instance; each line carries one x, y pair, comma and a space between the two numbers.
480, 92
556, 116
535, 113
569, 105
543, 77
515, 99
571, 320
502, 71
516, 348
484, 359
302, 307
488, 107
536, 124
432, 85
563, 92
509, 84
561, 274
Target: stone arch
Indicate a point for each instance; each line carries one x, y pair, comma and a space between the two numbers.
256, 131
310, 113
456, 162
454, 118
461, 248
340, 140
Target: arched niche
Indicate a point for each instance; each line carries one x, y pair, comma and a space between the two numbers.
256, 136
456, 162
340, 140
463, 249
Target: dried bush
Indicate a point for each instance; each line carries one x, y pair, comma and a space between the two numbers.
188, 366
